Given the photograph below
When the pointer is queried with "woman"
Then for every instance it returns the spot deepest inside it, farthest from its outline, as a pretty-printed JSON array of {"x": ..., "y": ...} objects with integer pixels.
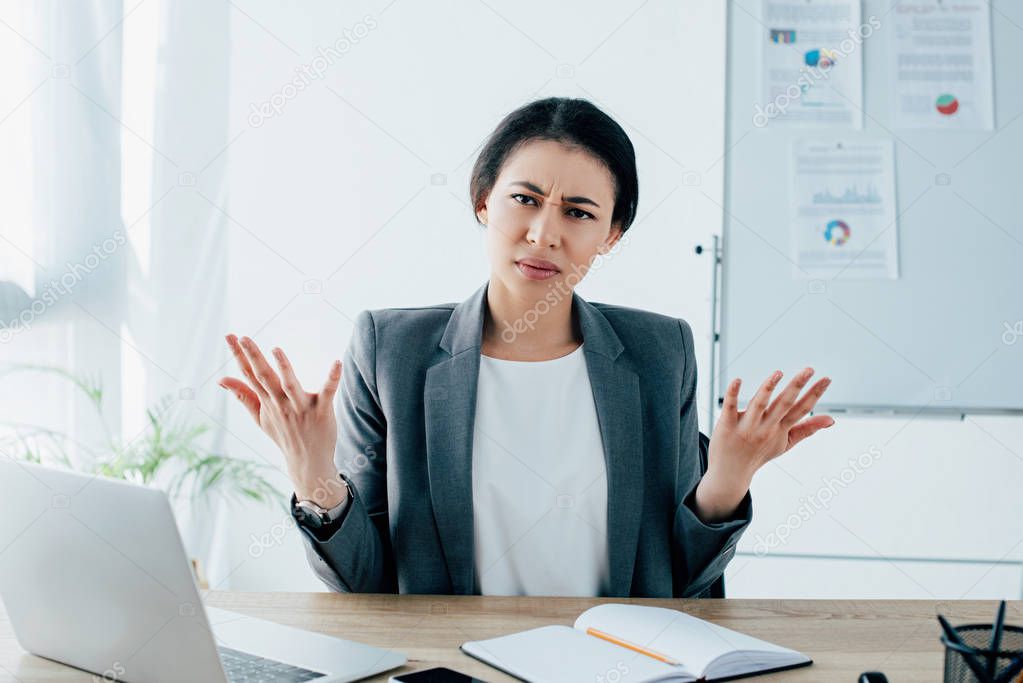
[{"x": 524, "y": 441}]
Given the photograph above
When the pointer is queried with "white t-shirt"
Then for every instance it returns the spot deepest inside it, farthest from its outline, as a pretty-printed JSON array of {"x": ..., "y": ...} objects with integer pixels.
[{"x": 539, "y": 482}]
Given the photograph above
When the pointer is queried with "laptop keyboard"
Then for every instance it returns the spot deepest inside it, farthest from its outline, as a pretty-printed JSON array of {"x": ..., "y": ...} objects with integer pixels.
[{"x": 243, "y": 667}]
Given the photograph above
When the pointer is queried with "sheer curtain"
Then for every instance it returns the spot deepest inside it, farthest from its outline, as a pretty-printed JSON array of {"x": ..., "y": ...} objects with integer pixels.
[
  {"x": 112, "y": 251},
  {"x": 188, "y": 261},
  {"x": 63, "y": 242}
]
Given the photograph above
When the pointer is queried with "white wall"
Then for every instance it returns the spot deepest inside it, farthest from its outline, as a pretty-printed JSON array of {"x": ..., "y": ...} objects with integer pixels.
[{"x": 333, "y": 211}]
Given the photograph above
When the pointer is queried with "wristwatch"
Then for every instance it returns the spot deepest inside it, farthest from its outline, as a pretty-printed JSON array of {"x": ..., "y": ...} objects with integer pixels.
[{"x": 314, "y": 516}]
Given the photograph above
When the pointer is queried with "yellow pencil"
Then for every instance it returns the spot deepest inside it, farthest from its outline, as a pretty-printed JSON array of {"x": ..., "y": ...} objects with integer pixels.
[{"x": 632, "y": 646}]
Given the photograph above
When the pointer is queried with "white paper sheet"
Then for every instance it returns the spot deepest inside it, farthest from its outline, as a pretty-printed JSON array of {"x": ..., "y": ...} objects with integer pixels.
[
  {"x": 941, "y": 64},
  {"x": 843, "y": 209},
  {"x": 811, "y": 64}
]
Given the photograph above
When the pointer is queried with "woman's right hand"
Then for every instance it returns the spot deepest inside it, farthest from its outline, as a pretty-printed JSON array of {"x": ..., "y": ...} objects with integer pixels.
[{"x": 301, "y": 424}]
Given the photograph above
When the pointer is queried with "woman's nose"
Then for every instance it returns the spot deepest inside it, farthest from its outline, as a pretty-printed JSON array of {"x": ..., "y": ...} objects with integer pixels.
[{"x": 544, "y": 229}]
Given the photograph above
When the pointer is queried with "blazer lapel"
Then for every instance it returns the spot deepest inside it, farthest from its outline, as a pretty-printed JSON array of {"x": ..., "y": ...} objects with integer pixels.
[
  {"x": 616, "y": 394},
  {"x": 449, "y": 402},
  {"x": 450, "y": 411}
]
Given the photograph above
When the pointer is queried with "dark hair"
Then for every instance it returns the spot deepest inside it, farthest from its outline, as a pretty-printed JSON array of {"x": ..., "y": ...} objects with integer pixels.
[{"x": 573, "y": 122}]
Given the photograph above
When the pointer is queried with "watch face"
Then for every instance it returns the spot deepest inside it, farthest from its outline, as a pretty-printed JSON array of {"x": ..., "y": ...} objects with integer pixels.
[{"x": 308, "y": 517}]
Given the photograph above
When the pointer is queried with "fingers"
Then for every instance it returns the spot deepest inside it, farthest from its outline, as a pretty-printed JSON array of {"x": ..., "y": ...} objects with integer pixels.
[
  {"x": 788, "y": 396},
  {"x": 246, "y": 367},
  {"x": 265, "y": 374},
  {"x": 245, "y": 394},
  {"x": 266, "y": 385},
  {"x": 730, "y": 404},
  {"x": 758, "y": 404},
  {"x": 292, "y": 387},
  {"x": 806, "y": 404},
  {"x": 807, "y": 427},
  {"x": 330, "y": 386}
]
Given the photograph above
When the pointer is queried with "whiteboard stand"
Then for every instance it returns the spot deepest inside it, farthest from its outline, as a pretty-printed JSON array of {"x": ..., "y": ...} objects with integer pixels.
[{"x": 714, "y": 334}]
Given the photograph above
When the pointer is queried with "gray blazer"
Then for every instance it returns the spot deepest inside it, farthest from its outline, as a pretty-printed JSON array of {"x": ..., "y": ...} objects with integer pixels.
[{"x": 405, "y": 413}]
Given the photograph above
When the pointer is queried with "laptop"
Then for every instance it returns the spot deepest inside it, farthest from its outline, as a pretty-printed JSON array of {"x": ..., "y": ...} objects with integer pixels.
[{"x": 93, "y": 574}]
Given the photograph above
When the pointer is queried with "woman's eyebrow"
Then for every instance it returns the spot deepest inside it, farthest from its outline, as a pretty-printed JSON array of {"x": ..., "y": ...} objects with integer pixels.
[{"x": 532, "y": 187}]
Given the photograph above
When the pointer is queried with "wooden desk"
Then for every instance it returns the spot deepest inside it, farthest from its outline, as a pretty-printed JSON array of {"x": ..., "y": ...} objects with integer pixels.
[{"x": 844, "y": 637}]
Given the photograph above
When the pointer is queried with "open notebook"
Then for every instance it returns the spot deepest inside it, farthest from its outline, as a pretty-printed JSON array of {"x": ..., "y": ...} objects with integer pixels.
[{"x": 559, "y": 654}]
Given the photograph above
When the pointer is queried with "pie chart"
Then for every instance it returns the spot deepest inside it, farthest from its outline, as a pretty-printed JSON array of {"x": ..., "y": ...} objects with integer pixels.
[
  {"x": 947, "y": 104},
  {"x": 837, "y": 232},
  {"x": 822, "y": 58}
]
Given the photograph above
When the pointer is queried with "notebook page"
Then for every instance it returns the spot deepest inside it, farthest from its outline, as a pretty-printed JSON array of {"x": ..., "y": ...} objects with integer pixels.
[
  {"x": 559, "y": 654},
  {"x": 694, "y": 642}
]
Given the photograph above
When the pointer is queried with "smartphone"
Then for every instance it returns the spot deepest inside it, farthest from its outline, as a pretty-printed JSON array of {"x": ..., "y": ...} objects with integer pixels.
[{"x": 438, "y": 675}]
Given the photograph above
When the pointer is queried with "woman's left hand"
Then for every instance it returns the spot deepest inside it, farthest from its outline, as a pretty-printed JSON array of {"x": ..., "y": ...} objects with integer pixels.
[{"x": 744, "y": 441}]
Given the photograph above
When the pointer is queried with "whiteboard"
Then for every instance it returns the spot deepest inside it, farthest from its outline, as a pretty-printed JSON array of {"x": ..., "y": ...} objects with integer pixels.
[{"x": 943, "y": 337}]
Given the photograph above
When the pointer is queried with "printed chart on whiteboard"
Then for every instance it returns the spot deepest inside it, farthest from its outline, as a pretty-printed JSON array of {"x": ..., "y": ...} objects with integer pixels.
[
  {"x": 812, "y": 66},
  {"x": 843, "y": 203},
  {"x": 941, "y": 76}
]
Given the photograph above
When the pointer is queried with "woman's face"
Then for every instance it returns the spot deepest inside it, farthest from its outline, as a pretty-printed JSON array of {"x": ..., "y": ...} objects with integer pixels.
[{"x": 549, "y": 202}]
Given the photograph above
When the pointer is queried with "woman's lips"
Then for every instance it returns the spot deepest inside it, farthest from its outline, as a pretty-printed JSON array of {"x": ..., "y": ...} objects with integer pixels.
[{"x": 534, "y": 273}]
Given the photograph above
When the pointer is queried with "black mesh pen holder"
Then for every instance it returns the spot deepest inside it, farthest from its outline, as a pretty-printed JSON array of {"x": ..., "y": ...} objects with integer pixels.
[{"x": 976, "y": 641}]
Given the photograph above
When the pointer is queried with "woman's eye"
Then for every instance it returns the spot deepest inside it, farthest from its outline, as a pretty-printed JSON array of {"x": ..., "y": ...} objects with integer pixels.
[
  {"x": 516, "y": 196},
  {"x": 524, "y": 199}
]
